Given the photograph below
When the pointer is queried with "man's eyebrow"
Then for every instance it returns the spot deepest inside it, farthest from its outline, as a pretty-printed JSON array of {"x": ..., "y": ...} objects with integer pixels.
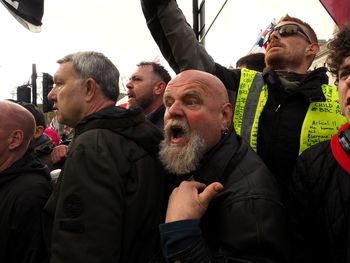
[{"x": 344, "y": 67}]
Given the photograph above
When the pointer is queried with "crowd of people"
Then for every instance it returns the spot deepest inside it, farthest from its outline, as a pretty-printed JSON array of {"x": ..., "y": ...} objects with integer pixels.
[{"x": 213, "y": 165}]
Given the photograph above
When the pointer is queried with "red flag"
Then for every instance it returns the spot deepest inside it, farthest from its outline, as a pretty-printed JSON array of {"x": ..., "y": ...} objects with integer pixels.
[
  {"x": 339, "y": 10},
  {"x": 123, "y": 102}
]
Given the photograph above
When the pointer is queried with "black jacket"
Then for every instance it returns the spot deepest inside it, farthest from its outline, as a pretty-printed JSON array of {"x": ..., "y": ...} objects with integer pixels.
[
  {"x": 157, "y": 117},
  {"x": 247, "y": 220},
  {"x": 281, "y": 120},
  {"x": 109, "y": 197},
  {"x": 24, "y": 190},
  {"x": 320, "y": 207}
]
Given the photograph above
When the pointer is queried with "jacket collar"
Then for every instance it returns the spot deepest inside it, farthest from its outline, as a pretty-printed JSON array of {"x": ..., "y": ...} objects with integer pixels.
[
  {"x": 129, "y": 123},
  {"x": 126, "y": 118},
  {"x": 309, "y": 86},
  {"x": 215, "y": 162}
]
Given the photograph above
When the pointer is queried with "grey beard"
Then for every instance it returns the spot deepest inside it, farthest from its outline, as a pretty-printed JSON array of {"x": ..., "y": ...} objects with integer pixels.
[{"x": 182, "y": 159}]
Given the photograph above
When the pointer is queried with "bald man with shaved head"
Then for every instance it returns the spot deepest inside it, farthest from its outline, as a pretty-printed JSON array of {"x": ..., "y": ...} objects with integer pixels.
[
  {"x": 24, "y": 188},
  {"x": 225, "y": 206}
]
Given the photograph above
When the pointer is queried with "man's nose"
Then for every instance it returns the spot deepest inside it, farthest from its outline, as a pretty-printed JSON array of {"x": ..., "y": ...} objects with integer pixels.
[
  {"x": 52, "y": 94},
  {"x": 176, "y": 109}
]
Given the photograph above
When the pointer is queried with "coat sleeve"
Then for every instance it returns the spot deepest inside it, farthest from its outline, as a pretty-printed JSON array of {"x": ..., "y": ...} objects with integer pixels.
[
  {"x": 175, "y": 37},
  {"x": 255, "y": 232},
  {"x": 88, "y": 222},
  {"x": 179, "y": 45}
]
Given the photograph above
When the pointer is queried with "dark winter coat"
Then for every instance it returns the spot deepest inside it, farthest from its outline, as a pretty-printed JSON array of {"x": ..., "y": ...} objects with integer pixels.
[
  {"x": 320, "y": 207},
  {"x": 247, "y": 220},
  {"x": 24, "y": 190},
  {"x": 109, "y": 197}
]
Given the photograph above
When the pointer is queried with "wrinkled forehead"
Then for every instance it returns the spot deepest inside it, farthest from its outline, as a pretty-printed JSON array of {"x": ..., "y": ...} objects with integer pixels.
[
  {"x": 187, "y": 86},
  {"x": 64, "y": 70}
]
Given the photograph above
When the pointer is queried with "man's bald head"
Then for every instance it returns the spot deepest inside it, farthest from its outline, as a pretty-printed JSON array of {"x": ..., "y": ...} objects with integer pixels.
[
  {"x": 197, "y": 115},
  {"x": 15, "y": 117}
]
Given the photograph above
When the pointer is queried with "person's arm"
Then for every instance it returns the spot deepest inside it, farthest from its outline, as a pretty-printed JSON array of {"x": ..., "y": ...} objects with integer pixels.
[
  {"x": 175, "y": 37},
  {"x": 250, "y": 228},
  {"x": 88, "y": 223},
  {"x": 181, "y": 235},
  {"x": 179, "y": 45}
]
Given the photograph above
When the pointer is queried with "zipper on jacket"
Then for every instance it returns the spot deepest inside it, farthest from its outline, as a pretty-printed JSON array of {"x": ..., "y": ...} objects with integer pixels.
[{"x": 278, "y": 108}]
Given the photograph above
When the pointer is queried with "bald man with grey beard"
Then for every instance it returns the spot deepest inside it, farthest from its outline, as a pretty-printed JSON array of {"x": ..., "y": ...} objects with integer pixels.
[
  {"x": 227, "y": 206},
  {"x": 24, "y": 188}
]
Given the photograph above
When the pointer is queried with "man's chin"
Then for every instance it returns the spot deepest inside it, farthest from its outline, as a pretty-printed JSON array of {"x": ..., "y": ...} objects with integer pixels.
[
  {"x": 131, "y": 103},
  {"x": 182, "y": 158}
]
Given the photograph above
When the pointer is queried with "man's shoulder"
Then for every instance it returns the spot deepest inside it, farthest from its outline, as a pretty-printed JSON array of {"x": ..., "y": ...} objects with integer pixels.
[
  {"x": 98, "y": 136},
  {"x": 318, "y": 152},
  {"x": 27, "y": 188},
  {"x": 245, "y": 171}
]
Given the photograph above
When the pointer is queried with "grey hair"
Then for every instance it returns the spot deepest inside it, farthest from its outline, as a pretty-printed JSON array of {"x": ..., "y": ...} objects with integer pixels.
[{"x": 91, "y": 64}]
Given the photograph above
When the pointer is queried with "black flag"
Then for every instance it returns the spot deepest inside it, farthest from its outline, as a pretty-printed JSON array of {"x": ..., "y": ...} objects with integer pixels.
[{"x": 28, "y": 12}]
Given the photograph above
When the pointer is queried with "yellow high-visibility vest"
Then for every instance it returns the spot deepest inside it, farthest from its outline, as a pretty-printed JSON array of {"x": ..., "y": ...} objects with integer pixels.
[{"x": 322, "y": 119}]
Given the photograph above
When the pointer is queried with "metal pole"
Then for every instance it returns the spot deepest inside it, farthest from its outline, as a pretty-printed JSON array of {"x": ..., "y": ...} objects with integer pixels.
[
  {"x": 34, "y": 76},
  {"x": 202, "y": 22},
  {"x": 195, "y": 18},
  {"x": 222, "y": 7}
]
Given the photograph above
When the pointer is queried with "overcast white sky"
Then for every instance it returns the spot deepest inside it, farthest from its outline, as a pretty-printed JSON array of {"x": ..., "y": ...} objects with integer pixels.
[{"x": 117, "y": 28}]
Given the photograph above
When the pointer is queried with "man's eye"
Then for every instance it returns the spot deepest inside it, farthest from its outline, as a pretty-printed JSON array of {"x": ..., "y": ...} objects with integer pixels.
[
  {"x": 191, "y": 102},
  {"x": 168, "y": 103},
  {"x": 344, "y": 74}
]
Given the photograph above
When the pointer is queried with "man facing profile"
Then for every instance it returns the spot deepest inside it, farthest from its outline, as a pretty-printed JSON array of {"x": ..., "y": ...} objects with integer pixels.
[
  {"x": 109, "y": 196},
  {"x": 146, "y": 88}
]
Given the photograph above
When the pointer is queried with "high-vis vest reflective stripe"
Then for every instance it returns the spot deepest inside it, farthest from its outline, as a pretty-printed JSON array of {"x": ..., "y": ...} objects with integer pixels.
[{"x": 322, "y": 119}]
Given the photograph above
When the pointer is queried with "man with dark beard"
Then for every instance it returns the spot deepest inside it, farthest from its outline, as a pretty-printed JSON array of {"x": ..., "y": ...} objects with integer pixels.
[
  {"x": 146, "y": 88},
  {"x": 246, "y": 220}
]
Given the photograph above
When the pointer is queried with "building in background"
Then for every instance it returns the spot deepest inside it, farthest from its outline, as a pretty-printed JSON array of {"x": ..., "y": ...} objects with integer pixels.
[{"x": 321, "y": 57}]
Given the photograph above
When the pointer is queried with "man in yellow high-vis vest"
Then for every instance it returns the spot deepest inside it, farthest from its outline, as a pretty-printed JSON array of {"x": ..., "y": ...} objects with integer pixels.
[{"x": 280, "y": 112}]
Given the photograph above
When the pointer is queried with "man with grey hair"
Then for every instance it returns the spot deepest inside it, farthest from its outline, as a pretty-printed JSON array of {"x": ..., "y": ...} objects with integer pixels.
[
  {"x": 108, "y": 200},
  {"x": 24, "y": 188}
]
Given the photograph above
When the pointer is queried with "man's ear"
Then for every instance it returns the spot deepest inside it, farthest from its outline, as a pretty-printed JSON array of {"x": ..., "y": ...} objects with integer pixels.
[
  {"x": 90, "y": 89},
  {"x": 313, "y": 48},
  {"x": 15, "y": 139},
  {"x": 227, "y": 115},
  {"x": 39, "y": 130},
  {"x": 160, "y": 88}
]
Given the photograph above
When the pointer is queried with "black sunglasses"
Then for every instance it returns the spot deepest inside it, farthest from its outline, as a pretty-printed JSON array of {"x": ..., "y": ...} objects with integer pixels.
[{"x": 287, "y": 30}]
